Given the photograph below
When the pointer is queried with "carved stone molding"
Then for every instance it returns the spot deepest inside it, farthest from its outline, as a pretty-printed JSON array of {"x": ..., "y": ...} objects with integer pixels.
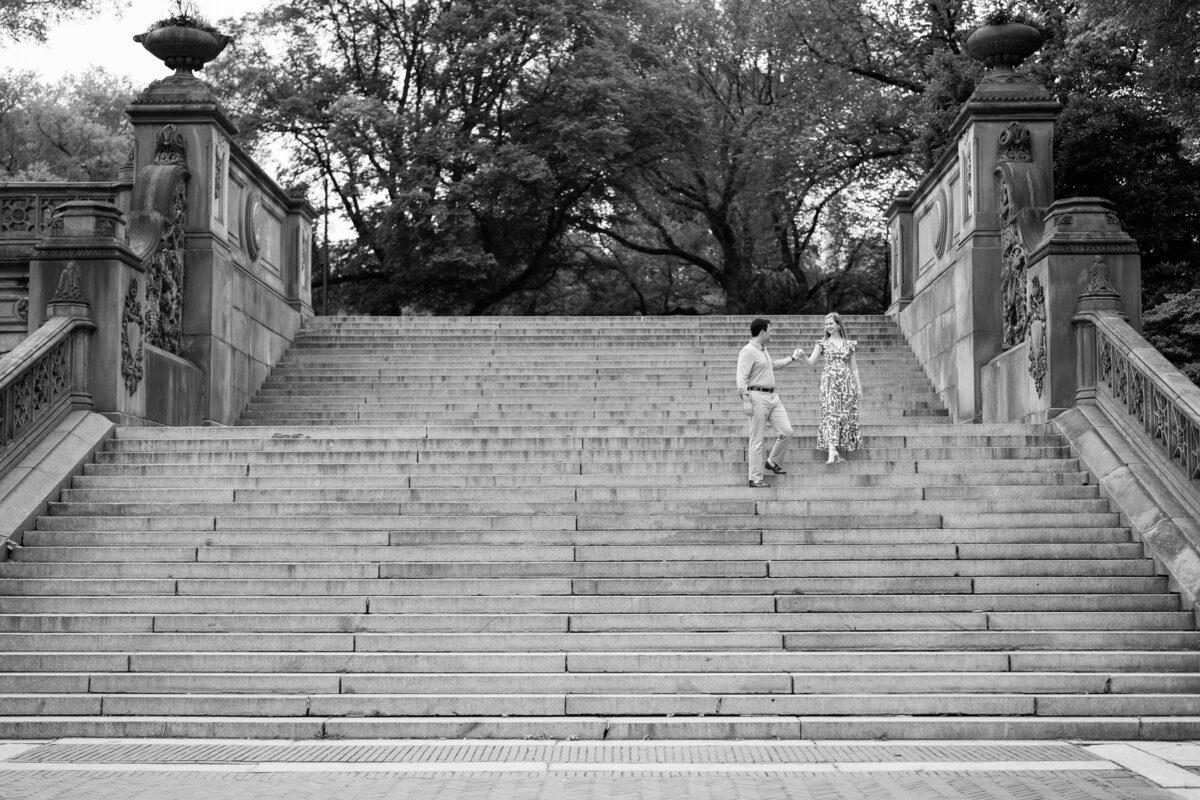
[
  {"x": 170, "y": 148},
  {"x": 131, "y": 362},
  {"x": 1037, "y": 333}
]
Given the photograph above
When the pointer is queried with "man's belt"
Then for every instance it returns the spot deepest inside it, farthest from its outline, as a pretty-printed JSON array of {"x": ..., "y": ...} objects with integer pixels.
[{"x": 768, "y": 389}]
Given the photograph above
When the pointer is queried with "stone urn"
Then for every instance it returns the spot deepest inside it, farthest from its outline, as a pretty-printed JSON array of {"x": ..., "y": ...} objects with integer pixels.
[
  {"x": 1005, "y": 45},
  {"x": 183, "y": 48}
]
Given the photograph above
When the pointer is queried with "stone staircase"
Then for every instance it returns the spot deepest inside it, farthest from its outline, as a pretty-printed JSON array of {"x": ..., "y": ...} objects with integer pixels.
[{"x": 537, "y": 527}]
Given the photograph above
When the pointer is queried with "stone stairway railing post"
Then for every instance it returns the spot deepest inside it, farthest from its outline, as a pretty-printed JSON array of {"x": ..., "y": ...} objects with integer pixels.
[
  {"x": 1082, "y": 261},
  {"x": 84, "y": 261},
  {"x": 958, "y": 240},
  {"x": 232, "y": 275}
]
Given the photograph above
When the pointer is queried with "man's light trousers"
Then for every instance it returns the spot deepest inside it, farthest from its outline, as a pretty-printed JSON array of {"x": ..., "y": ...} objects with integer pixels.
[{"x": 768, "y": 413}]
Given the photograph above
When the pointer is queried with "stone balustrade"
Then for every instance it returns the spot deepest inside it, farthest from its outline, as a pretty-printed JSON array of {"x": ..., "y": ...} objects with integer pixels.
[{"x": 42, "y": 380}]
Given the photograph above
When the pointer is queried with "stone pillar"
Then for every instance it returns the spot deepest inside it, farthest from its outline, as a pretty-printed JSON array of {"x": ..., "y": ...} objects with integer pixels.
[
  {"x": 903, "y": 255},
  {"x": 181, "y": 137},
  {"x": 84, "y": 263},
  {"x": 960, "y": 240},
  {"x": 1084, "y": 253}
]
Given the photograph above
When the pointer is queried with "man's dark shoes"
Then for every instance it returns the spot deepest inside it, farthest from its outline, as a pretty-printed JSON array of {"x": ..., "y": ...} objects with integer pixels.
[
  {"x": 776, "y": 469},
  {"x": 759, "y": 484}
]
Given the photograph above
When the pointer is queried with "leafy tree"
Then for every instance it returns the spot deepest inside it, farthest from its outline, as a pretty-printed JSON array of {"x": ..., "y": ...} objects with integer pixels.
[
  {"x": 74, "y": 129},
  {"x": 32, "y": 19},
  {"x": 460, "y": 137}
]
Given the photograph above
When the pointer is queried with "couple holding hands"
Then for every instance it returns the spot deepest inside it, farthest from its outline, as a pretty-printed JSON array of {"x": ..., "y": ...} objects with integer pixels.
[{"x": 840, "y": 391}]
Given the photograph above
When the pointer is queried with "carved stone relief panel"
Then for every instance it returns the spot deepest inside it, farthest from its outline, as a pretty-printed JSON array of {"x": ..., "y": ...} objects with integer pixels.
[
  {"x": 131, "y": 361},
  {"x": 1037, "y": 333}
]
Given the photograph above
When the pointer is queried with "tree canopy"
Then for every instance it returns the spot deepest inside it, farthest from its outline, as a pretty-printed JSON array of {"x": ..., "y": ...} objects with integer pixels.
[
  {"x": 73, "y": 129},
  {"x": 665, "y": 156},
  {"x": 32, "y": 19}
]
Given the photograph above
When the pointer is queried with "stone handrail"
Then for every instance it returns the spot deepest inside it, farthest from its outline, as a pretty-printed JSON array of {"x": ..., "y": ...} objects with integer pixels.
[
  {"x": 41, "y": 381},
  {"x": 1155, "y": 404}
]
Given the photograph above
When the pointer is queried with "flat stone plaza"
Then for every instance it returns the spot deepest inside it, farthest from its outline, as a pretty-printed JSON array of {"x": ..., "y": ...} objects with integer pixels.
[{"x": 132, "y": 769}]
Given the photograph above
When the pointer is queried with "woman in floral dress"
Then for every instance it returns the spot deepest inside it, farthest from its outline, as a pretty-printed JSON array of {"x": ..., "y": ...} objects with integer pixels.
[{"x": 841, "y": 389}]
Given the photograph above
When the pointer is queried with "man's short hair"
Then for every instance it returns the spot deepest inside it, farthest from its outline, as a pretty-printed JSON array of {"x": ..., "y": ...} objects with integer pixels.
[{"x": 758, "y": 326}]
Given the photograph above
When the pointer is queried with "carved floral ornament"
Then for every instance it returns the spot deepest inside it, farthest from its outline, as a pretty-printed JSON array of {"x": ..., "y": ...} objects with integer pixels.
[
  {"x": 1037, "y": 334},
  {"x": 1016, "y": 143},
  {"x": 170, "y": 148},
  {"x": 131, "y": 362}
]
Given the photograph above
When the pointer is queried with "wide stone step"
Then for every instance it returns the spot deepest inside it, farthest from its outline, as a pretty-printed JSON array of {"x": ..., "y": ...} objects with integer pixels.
[
  {"x": 614, "y": 728},
  {"x": 369, "y": 480},
  {"x": 883, "y": 536},
  {"x": 482, "y": 586},
  {"x": 582, "y": 553},
  {"x": 576, "y": 436},
  {"x": 587, "y": 604},
  {"x": 550, "y": 704},
  {"x": 591, "y": 623},
  {"x": 603, "y": 683}
]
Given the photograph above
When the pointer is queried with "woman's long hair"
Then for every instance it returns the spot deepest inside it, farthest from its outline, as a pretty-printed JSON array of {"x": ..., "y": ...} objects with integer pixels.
[{"x": 837, "y": 318}]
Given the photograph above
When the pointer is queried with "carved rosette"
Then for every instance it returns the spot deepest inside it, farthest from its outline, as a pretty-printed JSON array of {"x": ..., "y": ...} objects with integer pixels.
[
  {"x": 1037, "y": 333},
  {"x": 18, "y": 215}
]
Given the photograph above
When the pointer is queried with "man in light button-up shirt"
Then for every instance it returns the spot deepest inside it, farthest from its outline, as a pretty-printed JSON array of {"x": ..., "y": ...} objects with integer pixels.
[{"x": 756, "y": 385}]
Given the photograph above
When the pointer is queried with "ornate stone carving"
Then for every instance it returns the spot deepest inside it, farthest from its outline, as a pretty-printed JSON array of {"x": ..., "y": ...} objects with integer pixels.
[
  {"x": 170, "y": 148},
  {"x": 131, "y": 362},
  {"x": 43, "y": 383},
  {"x": 165, "y": 278},
  {"x": 22, "y": 309},
  {"x": 1016, "y": 143},
  {"x": 220, "y": 155},
  {"x": 1098, "y": 280},
  {"x": 1037, "y": 333},
  {"x": 1112, "y": 219},
  {"x": 1064, "y": 220},
  {"x": 105, "y": 228},
  {"x": 18, "y": 215},
  {"x": 1012, "y": 284},
  {"x": 68, "y": 290}
]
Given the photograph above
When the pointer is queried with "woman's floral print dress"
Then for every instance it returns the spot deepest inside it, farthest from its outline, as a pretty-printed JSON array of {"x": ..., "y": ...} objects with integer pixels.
[{"x": 839, "y": 398}]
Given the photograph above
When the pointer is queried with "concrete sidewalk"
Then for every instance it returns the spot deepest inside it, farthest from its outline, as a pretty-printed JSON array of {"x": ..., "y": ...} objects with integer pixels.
[{"x": 154, "y": 769}]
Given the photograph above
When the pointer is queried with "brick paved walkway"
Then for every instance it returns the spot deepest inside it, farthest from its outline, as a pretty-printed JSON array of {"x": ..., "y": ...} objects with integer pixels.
[{"x": 80, "y": 769}]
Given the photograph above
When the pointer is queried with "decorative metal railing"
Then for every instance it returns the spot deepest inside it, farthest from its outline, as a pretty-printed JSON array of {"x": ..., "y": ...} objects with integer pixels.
[
  {"x": 41, "y": 381},
  {"x": 1156, "y": 398}
]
